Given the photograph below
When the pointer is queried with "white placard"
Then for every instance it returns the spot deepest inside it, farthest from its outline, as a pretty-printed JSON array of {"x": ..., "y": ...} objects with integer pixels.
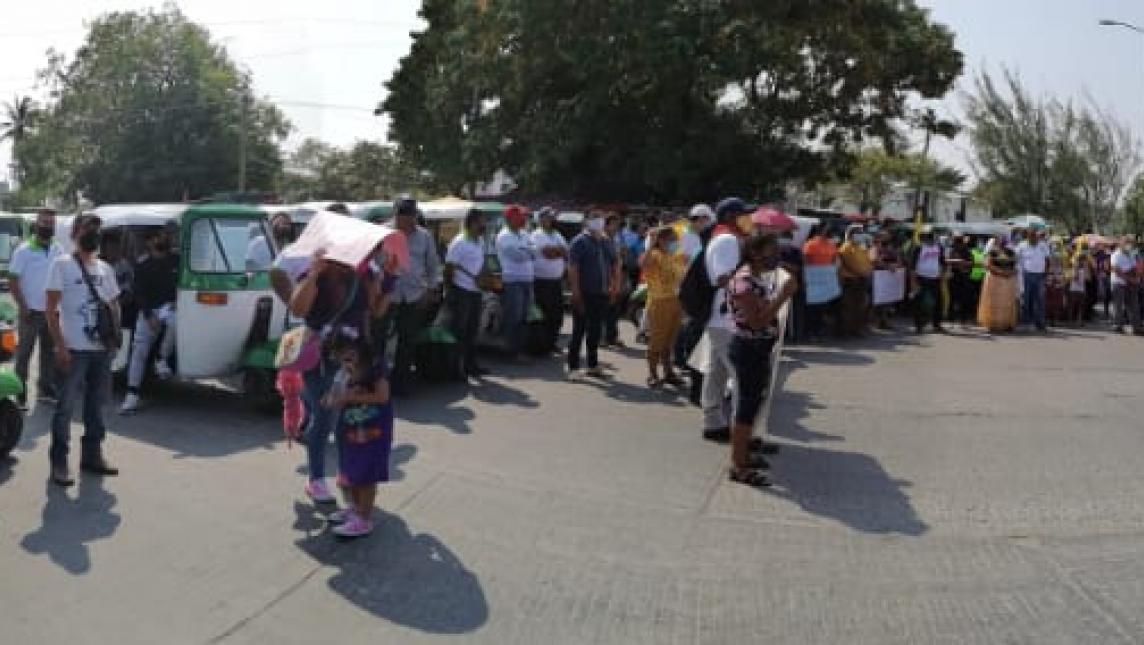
[
  {"x": 889, "y": 286},
  {"x": 344, "y": 239}
]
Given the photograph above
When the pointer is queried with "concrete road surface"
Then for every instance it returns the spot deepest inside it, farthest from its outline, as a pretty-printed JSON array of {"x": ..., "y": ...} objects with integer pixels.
[{"x": 935, "y": 489}]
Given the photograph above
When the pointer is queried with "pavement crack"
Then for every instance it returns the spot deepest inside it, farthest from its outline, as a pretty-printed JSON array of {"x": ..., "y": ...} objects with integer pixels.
[{"x": 285, "y": 593}]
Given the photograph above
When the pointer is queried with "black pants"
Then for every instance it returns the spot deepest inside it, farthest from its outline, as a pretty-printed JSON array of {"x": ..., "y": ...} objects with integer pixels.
[
  {"x": 688, "y": 338},
  {"x": 752, "y": 360},
  {"x": 550, "y": 299},
  {"x": 408, "y": 320},
  {"x": 929, "y": 297},
  {"x": 612, "y": 314},
  {"x": 588, "y": 323},
  {"x": 465, "y": 320},
  {"x": 964, "y": 307}
]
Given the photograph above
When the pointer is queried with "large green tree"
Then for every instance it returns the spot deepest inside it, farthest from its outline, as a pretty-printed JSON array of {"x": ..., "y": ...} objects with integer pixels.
[
  {"x": 661, "y": 99},
  {"x": 19, "y": 119},
  {"x": 149, "y": 108},
  {"x": 1043, "y": 155},
  {"x": 366, "y": 171}
]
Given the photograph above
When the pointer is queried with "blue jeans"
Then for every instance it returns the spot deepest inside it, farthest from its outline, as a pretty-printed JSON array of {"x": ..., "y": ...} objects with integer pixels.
[
  {"x": 322, "y": 419},
  {"x": 515, "y": 303},
  {"x": 89, "y": 377},
  {"x": 1033, "y": 305}
]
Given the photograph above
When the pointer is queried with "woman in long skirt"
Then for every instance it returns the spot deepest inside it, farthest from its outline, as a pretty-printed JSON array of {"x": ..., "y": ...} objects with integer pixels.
[{"x": 998, "y": 308}]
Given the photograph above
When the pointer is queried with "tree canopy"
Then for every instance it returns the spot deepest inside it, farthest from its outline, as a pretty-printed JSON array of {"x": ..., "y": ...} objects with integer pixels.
[
  {"x": 661, "y": 100},
  {"x": 366, "y": 171},
  {"x": 1042, "y": 155},
  {"x": 149, "y": 108}
]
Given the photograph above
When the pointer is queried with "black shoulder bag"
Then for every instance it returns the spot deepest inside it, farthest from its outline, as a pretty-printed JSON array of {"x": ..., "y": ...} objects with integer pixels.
[{"x": 106, "y": 330}]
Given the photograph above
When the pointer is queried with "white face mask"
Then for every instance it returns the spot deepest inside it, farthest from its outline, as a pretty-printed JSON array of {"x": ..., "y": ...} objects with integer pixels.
[{"x": 595, "y": 225}]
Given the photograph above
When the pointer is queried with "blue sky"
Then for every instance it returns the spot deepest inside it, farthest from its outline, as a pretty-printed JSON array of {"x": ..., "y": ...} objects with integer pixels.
[{"x": 325, "y": 62}]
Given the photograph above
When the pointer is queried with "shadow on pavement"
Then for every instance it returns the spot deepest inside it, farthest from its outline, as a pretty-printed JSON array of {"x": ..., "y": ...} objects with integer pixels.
[
  {"x": 68, "y": 524},
  {"x": 848, "y": 487},
  {"x": 401, "y": 455},
  {"x": 411, "y": 580},
  {"x": 438, "y": 406}
]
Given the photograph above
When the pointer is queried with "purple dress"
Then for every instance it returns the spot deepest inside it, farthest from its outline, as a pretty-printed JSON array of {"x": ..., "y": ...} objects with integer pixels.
[{"x": 366, "y": 433}]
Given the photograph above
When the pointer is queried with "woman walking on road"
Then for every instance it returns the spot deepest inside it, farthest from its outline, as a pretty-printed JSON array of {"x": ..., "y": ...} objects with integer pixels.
[
  {"x": 757, "y": 293},
  {"x": 855, "y": 271},
  {"x": 998, "y": 309},
  {"x": 663, "y": 268}
]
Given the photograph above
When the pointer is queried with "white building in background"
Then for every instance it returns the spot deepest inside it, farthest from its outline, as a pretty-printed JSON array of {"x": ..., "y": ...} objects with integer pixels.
[
  {"x": 500, "y": 184},
  {"x": 899, "y": 205}
]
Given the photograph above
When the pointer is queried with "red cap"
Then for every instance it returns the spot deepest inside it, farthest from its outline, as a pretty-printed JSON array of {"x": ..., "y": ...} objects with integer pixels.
[{"x": 516, "y": 214}]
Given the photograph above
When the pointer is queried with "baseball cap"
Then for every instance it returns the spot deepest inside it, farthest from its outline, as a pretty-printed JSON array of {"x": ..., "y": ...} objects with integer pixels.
[
  {"x": 701, "y": 210},
  {"x": 405, "y": 205},
  {"x": 731, "y": 207}
]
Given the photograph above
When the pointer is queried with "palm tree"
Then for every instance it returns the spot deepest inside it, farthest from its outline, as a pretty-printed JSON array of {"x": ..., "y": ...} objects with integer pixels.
[{"x": 19, "y": 116}]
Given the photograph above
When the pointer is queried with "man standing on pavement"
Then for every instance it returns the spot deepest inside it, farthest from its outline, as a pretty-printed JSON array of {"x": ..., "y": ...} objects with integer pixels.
[
  {"x": 594, "y": 272},
  {"x": 723, "y": 256},
  {"x": 552, "y": 252},
  {"x": 1125, "y": 293},
  {"x": 463, "y": 264},
  {"x": 79, "y": 287},
  {"x": 1033, "y": 258},
  {"x": 416, "y": 292},
  {"x": 28, "y": 280},
  {"x": 515, "y": 253},
  {"x": 927, "y": 264}
]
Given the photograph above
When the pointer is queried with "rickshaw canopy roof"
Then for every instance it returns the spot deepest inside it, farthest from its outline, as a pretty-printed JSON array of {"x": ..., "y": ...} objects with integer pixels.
[
  {"x": 451, "y": 208},
  {"x": 226, "y": 211},
  {"x": 117, "y": 215}
]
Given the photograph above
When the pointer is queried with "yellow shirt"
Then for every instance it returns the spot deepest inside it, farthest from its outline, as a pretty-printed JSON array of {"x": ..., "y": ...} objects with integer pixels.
[
  {"x": 662, "y": 273},
  {"x": 855, "y": 261}
]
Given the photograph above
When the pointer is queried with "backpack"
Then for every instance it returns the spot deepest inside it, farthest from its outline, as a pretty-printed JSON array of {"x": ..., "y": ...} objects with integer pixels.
[{"x": 696, "y": 293}]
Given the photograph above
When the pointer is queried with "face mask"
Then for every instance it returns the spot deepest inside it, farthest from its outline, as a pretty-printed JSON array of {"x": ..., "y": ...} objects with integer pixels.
[
  {"x": 45, "y": 233},
  {"x": 595, "y": 225},
  {"x": 89, "y": 241},
  {"x": 673, "y": 247}
]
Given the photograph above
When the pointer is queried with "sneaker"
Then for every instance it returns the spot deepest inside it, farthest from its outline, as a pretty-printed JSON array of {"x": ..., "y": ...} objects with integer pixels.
[
  {"x": 595, "y": 372},
  {"x": 340, "y": 516},
  {"x": 317, "y": 491},
  {"x": 163, "y": 371},
  {"x": 573, "y": 374},
  {"x": 131, "y": 404},
  {"x": 354, "y": 527}
]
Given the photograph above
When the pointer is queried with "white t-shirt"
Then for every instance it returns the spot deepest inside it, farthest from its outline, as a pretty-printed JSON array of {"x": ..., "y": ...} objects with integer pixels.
[
  {"x": 78, "y": 311},
  {"x": 258, "y": 254},
  {"x": 691, "y": 245},
  {"x": 32, "y": 264},
  {"x": 1124, "y": 262},
  {"x": 468, "y": 255},
  {"x": 545, "y": 268},
  {"x": 929, "y": 261},
  {"x": 514, "y": 250},
  {"x": 1033, "y": 258},
  {"x": 722, "y": 258}
]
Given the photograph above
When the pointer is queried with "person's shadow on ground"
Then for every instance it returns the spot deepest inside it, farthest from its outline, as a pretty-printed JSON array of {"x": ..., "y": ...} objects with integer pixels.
[
  {"x": 849, "y": 487},
  {"x": 69, "y": 524},
  {"x": 411, "y": 580}
]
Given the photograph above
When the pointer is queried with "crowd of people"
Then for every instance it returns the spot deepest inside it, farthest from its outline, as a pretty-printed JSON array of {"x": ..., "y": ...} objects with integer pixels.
[{"x": 720, "y": 287}]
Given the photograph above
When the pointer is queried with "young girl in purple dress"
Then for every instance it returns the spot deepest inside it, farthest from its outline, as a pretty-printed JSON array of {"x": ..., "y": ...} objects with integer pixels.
[{"x": 365, "y": 432}]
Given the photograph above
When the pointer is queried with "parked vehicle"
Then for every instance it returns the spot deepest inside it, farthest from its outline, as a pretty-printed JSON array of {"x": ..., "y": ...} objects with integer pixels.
[
  {"x": 229, "y": 319},
  {"x": 11, "y": 387}
]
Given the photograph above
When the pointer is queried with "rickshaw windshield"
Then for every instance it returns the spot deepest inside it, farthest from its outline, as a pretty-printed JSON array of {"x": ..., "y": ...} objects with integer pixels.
[
  {"x": 10, "y": 237},
  {"x": 230, "y": 246}
]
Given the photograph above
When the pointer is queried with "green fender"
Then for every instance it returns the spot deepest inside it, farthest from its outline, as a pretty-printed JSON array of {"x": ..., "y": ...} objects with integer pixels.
[
  {"x": 261, "y": 356},
  {"x": 10, "y": 384},
  {"x": 7, "y": 310}
]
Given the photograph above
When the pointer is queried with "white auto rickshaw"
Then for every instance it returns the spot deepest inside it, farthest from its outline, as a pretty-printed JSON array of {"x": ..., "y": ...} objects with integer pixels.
[{"x": 229, "y": 319}]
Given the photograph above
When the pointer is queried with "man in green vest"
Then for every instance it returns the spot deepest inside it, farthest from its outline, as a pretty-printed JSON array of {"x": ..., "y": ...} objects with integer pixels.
[{"x": 977, "y": 275}]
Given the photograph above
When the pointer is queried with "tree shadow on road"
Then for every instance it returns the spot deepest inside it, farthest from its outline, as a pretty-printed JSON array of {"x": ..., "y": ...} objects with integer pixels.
[
  {"x": 68, "y": 524},
  {"x": 438, "y": 407},
  {"x": 848, "y": 487},
  {"x": 411, "y": 580}
]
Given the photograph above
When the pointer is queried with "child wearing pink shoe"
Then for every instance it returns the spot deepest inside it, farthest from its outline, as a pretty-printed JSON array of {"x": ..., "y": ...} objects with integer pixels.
[{"x": 365, "y": 428}]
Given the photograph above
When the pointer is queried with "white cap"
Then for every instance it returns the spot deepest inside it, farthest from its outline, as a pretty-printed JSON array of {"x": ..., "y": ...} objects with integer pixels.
[{"x": 701, "y": 210}]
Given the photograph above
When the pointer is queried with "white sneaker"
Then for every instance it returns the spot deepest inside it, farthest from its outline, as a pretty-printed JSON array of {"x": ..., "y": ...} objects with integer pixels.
[
  {"x": 131, "y": 404},
  {"x": 163, "y": 371}
]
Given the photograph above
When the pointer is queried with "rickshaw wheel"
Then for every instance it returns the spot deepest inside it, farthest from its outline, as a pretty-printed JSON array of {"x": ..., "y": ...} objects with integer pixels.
[
  {"x": 258, "y": 386},
  {"x": 11, "y": 426}
]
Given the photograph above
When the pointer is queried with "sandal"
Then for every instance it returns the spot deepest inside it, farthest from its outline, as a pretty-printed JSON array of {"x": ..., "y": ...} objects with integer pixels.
[
  {"x": 765, "y": 447},
  {"x": 749, "y": 476}
]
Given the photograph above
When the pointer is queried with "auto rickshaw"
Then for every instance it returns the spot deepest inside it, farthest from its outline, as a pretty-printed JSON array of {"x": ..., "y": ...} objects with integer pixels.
[
  {"x": 11, "y": 387},
  {"x": 14, "y": 229},
  {"x": 229, "y": 319}
]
